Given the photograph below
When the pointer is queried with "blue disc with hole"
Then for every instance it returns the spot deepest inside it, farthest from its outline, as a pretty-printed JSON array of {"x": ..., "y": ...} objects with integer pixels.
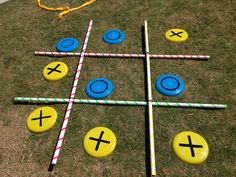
[
  {"x": 170, "y": 85},
  {"x": 113, "y": 36},
  {"x": 99, "y": 88},
  {"x": 67, "y": 45}
]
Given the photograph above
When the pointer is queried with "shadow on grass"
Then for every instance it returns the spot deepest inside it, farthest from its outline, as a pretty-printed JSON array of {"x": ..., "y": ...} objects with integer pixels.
[{"x": 147, "y": 144}]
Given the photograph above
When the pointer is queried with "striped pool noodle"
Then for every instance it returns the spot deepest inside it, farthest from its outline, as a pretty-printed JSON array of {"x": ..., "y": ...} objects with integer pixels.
[
  {"x": 150, "y": 112},
  {"x": 118, "y": 55},
  {"x": 120, "y": 102},
  {"x": 70, "y": 103}
]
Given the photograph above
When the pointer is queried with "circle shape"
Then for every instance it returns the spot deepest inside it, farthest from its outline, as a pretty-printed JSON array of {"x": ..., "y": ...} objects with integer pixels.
[
  {"x": 55, "y": 71},
  {"x": 170, "y": 85},
  {"x": 99, "y": 88},
  {"x": 190, "y": 147},
  {"x": 99, "y": 142},
  {"x": 41, "y": 119},
  {"x": 176, "y": 35},
  {"x": 67, "y": 44},
  {"x": 113, "y": 36}
]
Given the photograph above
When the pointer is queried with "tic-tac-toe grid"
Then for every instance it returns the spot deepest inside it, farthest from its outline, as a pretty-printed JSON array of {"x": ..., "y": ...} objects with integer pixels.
[{"x": 148, "y": 103}]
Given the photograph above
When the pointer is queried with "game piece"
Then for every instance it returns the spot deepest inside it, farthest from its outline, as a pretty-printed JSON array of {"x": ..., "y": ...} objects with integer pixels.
[
  {"x": 170, "y": 85},
  {"x": 67, "y": 45},
  {"x": 99, "y": 142},
  {"x": 113, "y": 36},
  {"x": 99, "y": 88},
  {"x": 190, "y": 147},
  {"x": 55, "y": 71},
  {"x": 176, "y": 35},
  {"x": 42, "y": 119}
]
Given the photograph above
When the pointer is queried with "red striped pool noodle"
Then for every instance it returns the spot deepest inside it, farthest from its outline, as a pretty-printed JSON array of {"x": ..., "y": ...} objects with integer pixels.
[
  {"x": 71, "y": 101},
  {"x": 119, "y": 55}
]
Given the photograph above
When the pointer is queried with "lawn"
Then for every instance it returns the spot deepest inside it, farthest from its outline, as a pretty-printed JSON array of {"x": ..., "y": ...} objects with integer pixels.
[{"x": 25, "y": 28}]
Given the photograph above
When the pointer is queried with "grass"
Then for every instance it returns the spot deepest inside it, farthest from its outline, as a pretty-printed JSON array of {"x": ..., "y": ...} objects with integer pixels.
[{"x": 24, "y": 28}]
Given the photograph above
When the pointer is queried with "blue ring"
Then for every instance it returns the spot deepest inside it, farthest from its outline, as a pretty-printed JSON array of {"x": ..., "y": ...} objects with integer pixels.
[
  {"x": 99, "y": 88},
  {"x": 170, "y": 85},
  {"x": 113, "y": 36},
  {"x": 67, "y": 45}
]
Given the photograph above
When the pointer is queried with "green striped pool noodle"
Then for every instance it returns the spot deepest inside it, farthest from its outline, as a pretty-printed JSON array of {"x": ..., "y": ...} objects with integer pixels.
[{"x": 120, "y": 102}]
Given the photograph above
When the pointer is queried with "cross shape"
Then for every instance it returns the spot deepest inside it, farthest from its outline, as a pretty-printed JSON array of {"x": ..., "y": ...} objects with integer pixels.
[
  {"x": 176, "y": 34},
  {"x": 191, "y": 146},
  {"x": 54, "y": 69},
  {"x": 41, "y": 117},
  {"x": 99, "y": 140}
]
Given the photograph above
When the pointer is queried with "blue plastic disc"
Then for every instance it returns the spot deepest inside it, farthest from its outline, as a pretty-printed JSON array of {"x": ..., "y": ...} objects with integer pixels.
[
  {"x": 113, "y": 36},
  {"x": 67, "y": 45},
  {"x": 170, "y": 85},
  {"x": 99, "y": 88}
]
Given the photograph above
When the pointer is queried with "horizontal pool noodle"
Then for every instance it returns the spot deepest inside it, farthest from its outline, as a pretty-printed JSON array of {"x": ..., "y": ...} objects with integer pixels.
[
  {"x": 115, "y": 102},
  {"x": 71, "y": 54}
]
